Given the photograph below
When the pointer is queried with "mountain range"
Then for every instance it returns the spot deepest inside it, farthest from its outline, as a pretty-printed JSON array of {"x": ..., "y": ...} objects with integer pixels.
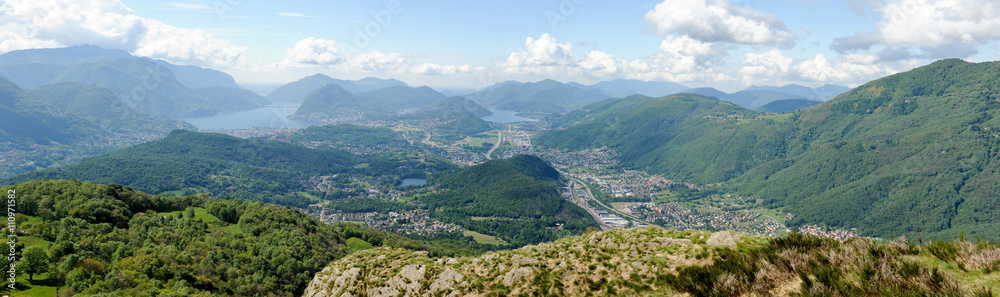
[
  {"x": 912, "y": 153},
  {"x": 332, "y": 99},
  {"x": 153, "y": 86},
  {"x": 296, "y": 92}
]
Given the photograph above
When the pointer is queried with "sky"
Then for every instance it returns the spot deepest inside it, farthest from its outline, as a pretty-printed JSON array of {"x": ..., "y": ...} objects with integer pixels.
[{"x": 727, "y": 44}]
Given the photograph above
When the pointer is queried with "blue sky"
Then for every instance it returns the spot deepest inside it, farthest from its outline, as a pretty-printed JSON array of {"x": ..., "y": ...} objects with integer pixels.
[{"x": 728, "y": 44}]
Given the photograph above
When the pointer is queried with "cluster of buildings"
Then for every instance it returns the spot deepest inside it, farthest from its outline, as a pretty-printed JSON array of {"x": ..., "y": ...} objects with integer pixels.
[
  {"x": 598, "y": 159},
  {"x": 612, "y": 220},
  {"x": 415, "y": 221},
  {"x": 677, "y": 215},
  {"x": 822, "y": 232},
  {"x": 254, "y": 133}
]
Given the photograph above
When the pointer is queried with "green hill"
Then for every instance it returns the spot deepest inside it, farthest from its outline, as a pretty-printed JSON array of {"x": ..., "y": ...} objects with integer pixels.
[
  {"x": 296, "y": 92},
  {"x": 912, "y": 153},
  {"x": 190, "y": 162},
  {"x": 110, "y": 240},
  {"x": 684, "y": 136},
  {"x": 547, "y": 96},
  {"x": 100, "y": 106},
  {"x": 519, "y": 197},
  {"x": 333, "y": 100},
  {"x": 28, "y": 120},
  {"x": 787, "y": 105}
]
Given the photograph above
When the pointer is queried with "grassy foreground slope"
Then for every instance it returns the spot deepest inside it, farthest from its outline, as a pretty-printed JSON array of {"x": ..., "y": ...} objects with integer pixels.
[{"x": 658, "y": 262}]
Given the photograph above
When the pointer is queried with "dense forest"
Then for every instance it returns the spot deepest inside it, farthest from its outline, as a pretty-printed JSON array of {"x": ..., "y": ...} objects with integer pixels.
[
  {"x": 913, "y": 153},
  {"x": 109, "y": 239},
  {"x": 263, "y": 170},
  {"x": 516, "y": 199}
]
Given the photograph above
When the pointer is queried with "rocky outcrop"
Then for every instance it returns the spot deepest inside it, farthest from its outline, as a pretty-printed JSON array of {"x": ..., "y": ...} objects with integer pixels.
[{"x": 599, "y": 263}]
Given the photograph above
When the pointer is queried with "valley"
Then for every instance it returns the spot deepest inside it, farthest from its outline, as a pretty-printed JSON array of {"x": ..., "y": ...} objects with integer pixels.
[{"x": 452, "y": 177}]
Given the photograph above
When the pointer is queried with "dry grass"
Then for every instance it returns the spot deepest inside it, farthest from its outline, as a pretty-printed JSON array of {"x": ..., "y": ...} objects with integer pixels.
[{"x": 983, "y": 257}]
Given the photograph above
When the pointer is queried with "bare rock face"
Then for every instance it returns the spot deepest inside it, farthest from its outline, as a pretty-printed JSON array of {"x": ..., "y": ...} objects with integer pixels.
[{"x": 724, "y": 238}]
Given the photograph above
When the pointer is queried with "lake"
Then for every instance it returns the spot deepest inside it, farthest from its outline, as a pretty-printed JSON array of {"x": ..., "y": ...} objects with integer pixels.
[
  {"x": 271, "y": 116},
  {"x": 413, "y": 182},
  {"x": 506, "y": 116}
]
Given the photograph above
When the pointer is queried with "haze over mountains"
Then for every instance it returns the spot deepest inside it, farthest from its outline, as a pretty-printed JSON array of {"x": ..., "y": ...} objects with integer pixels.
[{"x": 156, "y": 87}]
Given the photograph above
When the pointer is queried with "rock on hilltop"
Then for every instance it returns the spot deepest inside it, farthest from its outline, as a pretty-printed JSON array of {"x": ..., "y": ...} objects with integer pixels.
[{"x": 657, "y": 262}]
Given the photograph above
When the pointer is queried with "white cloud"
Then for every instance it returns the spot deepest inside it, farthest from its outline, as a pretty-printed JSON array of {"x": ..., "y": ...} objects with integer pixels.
[
  {"x": 679, "y": 59},
  {"x": 188, "y": 46},
  {"x": 718, "y": 21},
  {"x": 327, "y": 55},
  {"x": 766, "y": 67},
  {"x": 314, "y": 51},
  {"x": 30, "y": 24},
  {"x": 942, "y": 28},
  {"x": 544, "y": 56},
  {"x": 103, "y": 23},
  {"x": 773, "y": 67}
]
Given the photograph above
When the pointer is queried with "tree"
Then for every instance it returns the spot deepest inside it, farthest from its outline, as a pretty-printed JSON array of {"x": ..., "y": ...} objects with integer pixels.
[{"x": 34, "y": 261}]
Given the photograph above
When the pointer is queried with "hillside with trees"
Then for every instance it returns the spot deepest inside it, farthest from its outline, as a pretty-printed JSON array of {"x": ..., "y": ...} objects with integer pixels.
[
  {"x": 518, "y": 198},
  {"x": 912, "y": 153},
  {"x": 263, "y": 170},
  {"x": 111, "y": 240}
]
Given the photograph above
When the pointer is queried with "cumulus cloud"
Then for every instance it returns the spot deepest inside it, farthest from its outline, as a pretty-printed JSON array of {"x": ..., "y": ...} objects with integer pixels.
[
  {"x": 945, "y": 28},
  {"x": 321, "y": 54},
  {"x": 773, "y": 67},
  {"x": 314, "y": 51},
  {"x": 187, "y": 46},
  {"x": 30, "y": 24},
  {"x": 544, "y": 56},
  {"x": 761, "y": 67},
  {"x": 718, "y": 21},
  {"x": 679, "y": 59},
  {"x": 684, "y": 59}
]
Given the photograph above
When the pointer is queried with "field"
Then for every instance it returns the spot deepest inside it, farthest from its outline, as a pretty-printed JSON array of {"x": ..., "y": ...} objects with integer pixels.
[
  {"x": 483, "y": 238},
  {"x": 358, "y": 244},
  {"x": 199, "y": 213}
]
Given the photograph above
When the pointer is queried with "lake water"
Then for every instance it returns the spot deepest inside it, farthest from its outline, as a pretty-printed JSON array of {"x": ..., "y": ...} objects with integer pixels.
[
  {"x": 272, "y": 116},
  {"x": 506, "y": 116},
  {"x": 413, "y": 181}
]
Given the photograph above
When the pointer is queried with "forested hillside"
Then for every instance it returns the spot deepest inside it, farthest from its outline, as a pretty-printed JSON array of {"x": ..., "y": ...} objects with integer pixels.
[
  {"x": 113, "y": 240},
  {"x": 913, "y": 153},
  {"x": 685, "y": 136},
  {"x": 28, "y": 121},
  {"x": 189, "y": 162},
  {"x": 517, "y": 200}
]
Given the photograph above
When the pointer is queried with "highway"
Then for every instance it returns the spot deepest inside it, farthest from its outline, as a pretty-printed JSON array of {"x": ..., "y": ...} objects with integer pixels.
[{"x": 610, "y": 209}]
